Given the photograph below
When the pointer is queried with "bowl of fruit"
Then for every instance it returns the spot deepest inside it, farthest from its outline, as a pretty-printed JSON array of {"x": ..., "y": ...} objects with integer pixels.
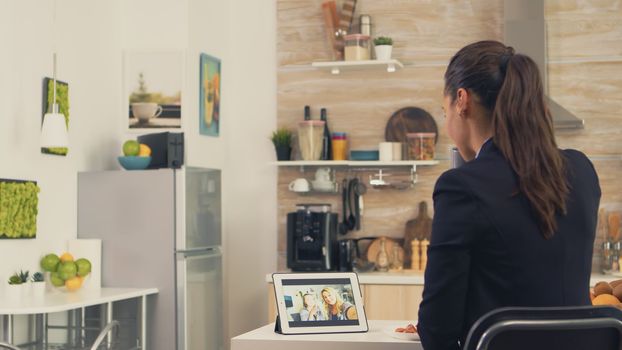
[
  {"x": 65, "y": 273},
  {"x": 136, "y": 156}
]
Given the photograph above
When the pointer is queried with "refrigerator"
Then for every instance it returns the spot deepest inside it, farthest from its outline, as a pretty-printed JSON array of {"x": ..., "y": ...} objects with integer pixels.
[{"x": 161, "y": 228}]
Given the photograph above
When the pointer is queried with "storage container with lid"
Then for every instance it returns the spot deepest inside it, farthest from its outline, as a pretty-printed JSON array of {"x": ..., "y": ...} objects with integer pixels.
[
  {"x": 340, "y": 146},
  {"x": 421, "y": 145},
  {"x": 310, "y": 133},
  {"x": 356, "y": 47}
]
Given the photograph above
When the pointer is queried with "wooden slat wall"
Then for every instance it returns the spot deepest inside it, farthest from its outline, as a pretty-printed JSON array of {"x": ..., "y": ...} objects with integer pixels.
[{"x": 585, "y": 76}]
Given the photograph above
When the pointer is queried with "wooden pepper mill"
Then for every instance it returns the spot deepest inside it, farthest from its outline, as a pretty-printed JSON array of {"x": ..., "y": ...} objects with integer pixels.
[{"x": 418, "y": 228}]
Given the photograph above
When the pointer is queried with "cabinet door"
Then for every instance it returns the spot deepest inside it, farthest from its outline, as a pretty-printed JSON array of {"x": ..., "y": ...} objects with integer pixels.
[{"x": 392, "y": 302}]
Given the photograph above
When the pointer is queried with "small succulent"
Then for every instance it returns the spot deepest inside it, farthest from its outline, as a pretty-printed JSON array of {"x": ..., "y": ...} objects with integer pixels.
[
  {"x": 37, "y": 277},
  {"x": 23, "y": 275},
  {"x": 383, "y": 40},
  {"x": 282, "y": 137},
  {"x": 15, "y": 279}
]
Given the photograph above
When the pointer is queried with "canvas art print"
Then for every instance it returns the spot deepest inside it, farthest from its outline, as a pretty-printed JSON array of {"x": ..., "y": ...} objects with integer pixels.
[
  {"x": 209, "y": 95},
  {"x": 154, "y": 83},
  {"x": 62, "y": 98}
]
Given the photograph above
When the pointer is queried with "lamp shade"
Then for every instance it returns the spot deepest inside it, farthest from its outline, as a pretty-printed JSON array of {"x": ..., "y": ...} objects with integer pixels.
[{"x": 54, "y": 131}]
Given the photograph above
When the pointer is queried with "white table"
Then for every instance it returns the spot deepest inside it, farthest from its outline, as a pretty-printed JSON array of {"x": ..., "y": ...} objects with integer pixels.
[
  {"x": 265, "y": 338},
  {"x": 60, "y": 301}
]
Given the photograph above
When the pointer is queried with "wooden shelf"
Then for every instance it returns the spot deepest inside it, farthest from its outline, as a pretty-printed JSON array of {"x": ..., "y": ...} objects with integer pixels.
[{"x": 336, "y": 67}]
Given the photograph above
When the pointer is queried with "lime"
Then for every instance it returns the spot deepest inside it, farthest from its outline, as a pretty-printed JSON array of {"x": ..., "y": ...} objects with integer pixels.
[
  {"x": 49, "y": 262},
  {"x": 84, "y": 267},
  {"x": 67, "y": 270},
  {"x": 56, "y": 281},
  {"x": 131, "y": 148}
]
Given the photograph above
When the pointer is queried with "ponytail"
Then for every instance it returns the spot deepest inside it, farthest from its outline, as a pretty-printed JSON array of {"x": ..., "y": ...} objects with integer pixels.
[
  {"x": 510, "y": 88},
  {"x": 523, "y": 131}
]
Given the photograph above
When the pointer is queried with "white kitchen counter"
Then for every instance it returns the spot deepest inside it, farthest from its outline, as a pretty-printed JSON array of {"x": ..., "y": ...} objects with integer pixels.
[
  {"x": 410, "y": 278},
  {"x": 376, "y": 338}
]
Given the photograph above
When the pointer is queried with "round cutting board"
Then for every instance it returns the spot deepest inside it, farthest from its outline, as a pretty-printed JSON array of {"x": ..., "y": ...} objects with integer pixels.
[
  {"x": 408, "y": 120},
  {"x": 374, "y": 249}
]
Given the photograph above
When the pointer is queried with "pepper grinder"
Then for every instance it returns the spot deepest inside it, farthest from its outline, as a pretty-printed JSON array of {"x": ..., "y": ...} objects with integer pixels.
[
  {"x": 424, "y": 254},
  {"x": 415, "y": 256}
]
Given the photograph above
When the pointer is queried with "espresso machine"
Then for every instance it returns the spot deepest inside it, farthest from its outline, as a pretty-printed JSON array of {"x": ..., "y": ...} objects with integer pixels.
[{"x": 312, "y": 238}]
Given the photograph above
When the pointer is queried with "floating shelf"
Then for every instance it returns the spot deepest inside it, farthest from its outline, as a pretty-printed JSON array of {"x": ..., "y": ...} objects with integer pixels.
[
  {"x": 358, "y": 163},
  {"x": 336, "y": 67}
]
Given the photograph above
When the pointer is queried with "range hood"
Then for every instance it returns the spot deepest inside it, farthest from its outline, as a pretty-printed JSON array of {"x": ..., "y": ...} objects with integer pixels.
[{"x": 525, "y": 31}]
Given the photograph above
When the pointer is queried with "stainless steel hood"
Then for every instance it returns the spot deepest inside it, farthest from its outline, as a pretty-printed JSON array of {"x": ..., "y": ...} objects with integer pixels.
[{"x": 525, "y": 31}]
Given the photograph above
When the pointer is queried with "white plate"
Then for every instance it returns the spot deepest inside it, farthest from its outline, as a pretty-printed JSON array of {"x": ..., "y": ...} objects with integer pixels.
[{"x": 390, "y": 331}]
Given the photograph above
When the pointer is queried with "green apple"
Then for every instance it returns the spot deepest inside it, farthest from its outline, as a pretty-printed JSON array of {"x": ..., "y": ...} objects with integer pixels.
[
  {"x": 131, "y": 148},
  {"x": 56, "y": 281},
  {"x": 67, "y": 270},
  {"x": 84, "y": 267},
  {"x": 50, "y": 262}
]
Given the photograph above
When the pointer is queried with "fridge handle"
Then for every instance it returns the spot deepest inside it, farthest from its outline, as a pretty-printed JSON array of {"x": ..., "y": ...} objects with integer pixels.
[{"x": 202, "y": 252}]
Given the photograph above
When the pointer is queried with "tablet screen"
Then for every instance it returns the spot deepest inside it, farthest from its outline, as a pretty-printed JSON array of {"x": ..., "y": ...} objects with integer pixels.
[{"x": 319, "y": 302}]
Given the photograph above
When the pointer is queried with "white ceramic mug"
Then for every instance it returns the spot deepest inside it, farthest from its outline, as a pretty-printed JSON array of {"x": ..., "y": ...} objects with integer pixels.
[
  {"x": 300, "y": 185},
  {"x": 144, "y": 111},
  {"x": 386, "y": 151},
  {"x": 397, "y": 150},
  {"x": 322, "y": 175}
]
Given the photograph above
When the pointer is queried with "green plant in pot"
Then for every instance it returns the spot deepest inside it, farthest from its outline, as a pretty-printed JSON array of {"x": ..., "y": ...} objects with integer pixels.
[
  {"x": 383, "y": 45},
  {"x": 282, "y": 140}
]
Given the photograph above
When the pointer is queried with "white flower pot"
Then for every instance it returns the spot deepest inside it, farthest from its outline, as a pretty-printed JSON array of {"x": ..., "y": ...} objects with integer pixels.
[
  {"x": 383, "y": 52},
  {"x": 38, "y": 289},
  {"x": 14, "y": 292}
]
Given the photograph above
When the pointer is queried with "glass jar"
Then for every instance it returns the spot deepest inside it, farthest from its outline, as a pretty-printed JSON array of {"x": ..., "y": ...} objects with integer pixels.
[
  {"x": 421, "y": 145},
  {"x": 310, "y": 134},
  {"x": 606, "y": 257},
  {"x": 356, "y": 47},
  {"x": 340, "y": 146}
]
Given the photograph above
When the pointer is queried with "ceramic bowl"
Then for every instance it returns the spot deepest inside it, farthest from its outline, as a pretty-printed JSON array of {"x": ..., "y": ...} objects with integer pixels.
[{"x": 134, "y": 162}]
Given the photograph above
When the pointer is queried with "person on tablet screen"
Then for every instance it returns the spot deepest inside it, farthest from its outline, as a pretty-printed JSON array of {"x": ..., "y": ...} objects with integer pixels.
[
  {"x": 311, "y": 310},
  {"x": 335, "y": 308}
]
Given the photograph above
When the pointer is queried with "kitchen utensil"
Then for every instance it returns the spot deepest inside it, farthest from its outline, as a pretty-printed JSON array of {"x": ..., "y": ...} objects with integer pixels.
[
  {"x": 374, "y": 248},
  {"x": 343, "y": 225},
  {"x": 364, "y": 155},
  {"x": 418, "y": 228},
  {"x": 299, "y": 185},
  {"x": 340, "y": 146},
  {"x": 385, "y": 150},
  {"x": 329, "y": 12},
  {"x": 134, "y": 162},
  {"x": 409, "y": 120},
  {"x": 347, "y": 12},
  {"x": 352, "y": 205},
  {"x": 613, "y": 221}
]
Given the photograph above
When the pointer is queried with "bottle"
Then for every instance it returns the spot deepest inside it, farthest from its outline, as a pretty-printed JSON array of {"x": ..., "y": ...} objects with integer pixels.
[
  {"x": 327, "y": 152},
  {"x": 365, "y": 29},
  {"x": 382, "y": 260},
  {"x": 307, "y": 113}
]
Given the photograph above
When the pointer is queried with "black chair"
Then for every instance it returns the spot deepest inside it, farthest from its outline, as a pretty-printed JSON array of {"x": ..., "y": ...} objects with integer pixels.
[{"x": 550, "y": 328}]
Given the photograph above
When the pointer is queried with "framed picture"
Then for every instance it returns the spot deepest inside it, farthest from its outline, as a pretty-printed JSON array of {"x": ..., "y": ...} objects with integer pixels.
[
  {"x": 62, "y": 98},
  {"x": 209, "y": 95},
  {"x": 153, "y": 81}
]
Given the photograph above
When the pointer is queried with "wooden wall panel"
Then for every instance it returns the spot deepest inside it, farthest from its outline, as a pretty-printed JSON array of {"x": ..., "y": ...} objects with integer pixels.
[{"x": 585, "y": 76}]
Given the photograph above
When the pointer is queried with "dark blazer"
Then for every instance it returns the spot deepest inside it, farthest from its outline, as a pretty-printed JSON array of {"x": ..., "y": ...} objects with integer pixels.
[{"x": 486, "y": 250}]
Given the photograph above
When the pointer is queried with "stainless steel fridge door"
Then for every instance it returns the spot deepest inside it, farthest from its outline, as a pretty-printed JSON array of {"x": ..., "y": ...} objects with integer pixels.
[
  {"x": 199, "y": 299},
  {"x": 198, "y": 199}
]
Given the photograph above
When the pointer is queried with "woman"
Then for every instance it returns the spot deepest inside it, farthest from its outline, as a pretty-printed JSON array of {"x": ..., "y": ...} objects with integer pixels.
[
  {"x": 515, "y": 225},
  {"x": 311, "y": 311},
  {"x": 334, "y": 307}
]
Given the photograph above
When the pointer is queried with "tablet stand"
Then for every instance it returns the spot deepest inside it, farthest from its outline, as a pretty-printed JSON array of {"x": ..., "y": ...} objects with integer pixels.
[{"x": 277, "y": 325}]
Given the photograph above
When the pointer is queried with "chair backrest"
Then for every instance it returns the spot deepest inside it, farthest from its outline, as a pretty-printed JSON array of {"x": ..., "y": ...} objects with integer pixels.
[
  {"x": 7, "y": 346},
  {"x": 535, "y": 328}
]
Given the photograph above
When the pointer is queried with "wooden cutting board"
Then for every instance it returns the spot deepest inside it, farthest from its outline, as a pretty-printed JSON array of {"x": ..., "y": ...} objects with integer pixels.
[
  {"x": 409, "y": 120},
  {"x": 613, "y": 222},
  {"x": 418, "y": 228},
  {"x": 374, "y": 249}
]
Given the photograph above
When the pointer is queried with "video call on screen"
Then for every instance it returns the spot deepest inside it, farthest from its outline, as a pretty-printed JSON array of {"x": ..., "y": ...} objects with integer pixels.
[{"x": 319, "y": 302}]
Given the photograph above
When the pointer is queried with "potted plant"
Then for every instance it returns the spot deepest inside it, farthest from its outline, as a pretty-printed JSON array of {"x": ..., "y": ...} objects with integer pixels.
[
  {"x": 16, "y": 285},
  {"x": 282, "y": 140},
  {"x": 38, "y": 284},
  {"x": 383, "y": 45}
]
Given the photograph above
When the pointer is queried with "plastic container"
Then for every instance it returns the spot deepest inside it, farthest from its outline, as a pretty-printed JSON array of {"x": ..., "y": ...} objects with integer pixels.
[
  {"x": 310, "y": 133},
  {"x": 340, "y": 146},
  {"x": 356, "y": 47},
  {"x": 421, "y": 145}
]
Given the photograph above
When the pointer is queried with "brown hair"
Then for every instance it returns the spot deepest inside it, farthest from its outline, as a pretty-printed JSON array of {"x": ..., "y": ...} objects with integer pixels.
[{"x": 510, "y": 88}]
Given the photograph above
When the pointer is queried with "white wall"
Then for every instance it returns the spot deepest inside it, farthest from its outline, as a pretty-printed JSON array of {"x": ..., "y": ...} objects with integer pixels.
[
  {"x": 87, "y": 60},
  {"x": 90, "y": 38}
]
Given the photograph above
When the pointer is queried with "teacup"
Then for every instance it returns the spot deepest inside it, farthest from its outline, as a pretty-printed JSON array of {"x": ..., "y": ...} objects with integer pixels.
[
  {"x": 144, "y": 111},
  {"x": 300, "y": 185}
]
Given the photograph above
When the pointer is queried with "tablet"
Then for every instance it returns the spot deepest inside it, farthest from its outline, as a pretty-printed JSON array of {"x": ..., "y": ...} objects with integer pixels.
[{"x": 319, "y": 303}]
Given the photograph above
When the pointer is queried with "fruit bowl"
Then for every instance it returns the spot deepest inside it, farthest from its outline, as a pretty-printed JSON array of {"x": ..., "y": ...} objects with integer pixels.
[{"x": 134, "y": 162}]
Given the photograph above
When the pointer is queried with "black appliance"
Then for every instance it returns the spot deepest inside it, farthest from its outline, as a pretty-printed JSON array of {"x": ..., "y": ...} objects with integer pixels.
[
  {"x": 167, "y": 149},
  {"x": 312, "y": 238}
]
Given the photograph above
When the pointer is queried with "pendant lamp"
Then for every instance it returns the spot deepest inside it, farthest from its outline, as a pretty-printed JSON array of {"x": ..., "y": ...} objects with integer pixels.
[{"x": 54, "y": 129}]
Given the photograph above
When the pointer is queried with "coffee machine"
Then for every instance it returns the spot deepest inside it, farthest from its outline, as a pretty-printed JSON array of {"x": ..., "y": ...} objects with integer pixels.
[{"x": 312, "y": 238}]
